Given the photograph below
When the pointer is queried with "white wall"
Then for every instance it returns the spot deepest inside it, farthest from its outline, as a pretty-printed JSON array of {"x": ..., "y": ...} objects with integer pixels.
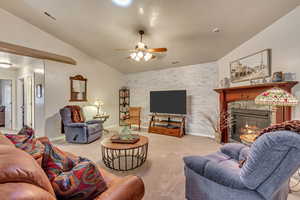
[
  {"x": 103, "y": 81},
  {"x": 199, "y": 81},
  {"x": 283, "y": 37}
]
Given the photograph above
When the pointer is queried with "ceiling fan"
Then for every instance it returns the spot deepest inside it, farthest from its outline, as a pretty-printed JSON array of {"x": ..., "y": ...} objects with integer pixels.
[{"x": 142, "y": 52}]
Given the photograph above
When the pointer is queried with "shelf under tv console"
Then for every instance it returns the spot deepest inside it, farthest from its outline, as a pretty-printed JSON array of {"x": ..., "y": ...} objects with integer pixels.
[{"x": 172, "y": 125}]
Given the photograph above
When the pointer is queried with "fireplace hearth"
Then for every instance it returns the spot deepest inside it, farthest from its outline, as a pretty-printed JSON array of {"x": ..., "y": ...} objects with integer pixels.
[{"x": 248, "y": 121}]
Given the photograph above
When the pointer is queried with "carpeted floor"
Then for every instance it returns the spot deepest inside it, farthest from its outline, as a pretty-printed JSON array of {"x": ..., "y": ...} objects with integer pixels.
[{"x": 163, "y": 171}]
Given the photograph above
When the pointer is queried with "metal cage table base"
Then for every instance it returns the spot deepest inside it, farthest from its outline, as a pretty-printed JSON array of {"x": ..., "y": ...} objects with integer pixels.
[{"x": 124, "y": 159}]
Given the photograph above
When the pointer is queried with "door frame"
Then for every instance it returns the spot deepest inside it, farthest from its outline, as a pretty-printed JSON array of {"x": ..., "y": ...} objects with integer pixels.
[{"x": 13, "y": 99}]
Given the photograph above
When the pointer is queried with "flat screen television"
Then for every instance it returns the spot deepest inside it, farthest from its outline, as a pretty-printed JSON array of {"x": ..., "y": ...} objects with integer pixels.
[{"x": 169, "y": 102}]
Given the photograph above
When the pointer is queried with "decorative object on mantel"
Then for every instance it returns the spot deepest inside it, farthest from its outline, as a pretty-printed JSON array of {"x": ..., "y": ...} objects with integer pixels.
[
  {"x": 289, "y": 76},
  {"x": 277, "y": 77},
  {"x": 276, "y": 97},
  {"x": 225, "y": 83},
  {"x": 219, "y": 122},
  {"x": 78, "y": 90},
  {"x": 249, "y": 93},
  {"x": 255, "y": 66}
]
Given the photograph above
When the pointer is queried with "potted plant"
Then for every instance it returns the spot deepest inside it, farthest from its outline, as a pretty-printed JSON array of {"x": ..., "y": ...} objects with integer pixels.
[{"x": 218, "y": 122}]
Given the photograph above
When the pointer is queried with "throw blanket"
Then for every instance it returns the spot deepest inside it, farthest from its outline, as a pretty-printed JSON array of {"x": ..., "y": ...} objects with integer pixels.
[
  {"x": 76, "y": 114},
  {"x": 25, "y": 140},
  {"x": 72, "y": 177},
  {"x": 293, "y": 126}
]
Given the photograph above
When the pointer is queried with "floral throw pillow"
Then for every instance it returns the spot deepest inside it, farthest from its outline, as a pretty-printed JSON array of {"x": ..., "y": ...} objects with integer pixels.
[{"x": 72, "y": 178}]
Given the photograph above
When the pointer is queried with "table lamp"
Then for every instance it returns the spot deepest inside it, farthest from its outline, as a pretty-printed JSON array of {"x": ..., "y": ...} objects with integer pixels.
[
  {"x": 98, "y": 103},
  {"x": 276, "y": 97}
]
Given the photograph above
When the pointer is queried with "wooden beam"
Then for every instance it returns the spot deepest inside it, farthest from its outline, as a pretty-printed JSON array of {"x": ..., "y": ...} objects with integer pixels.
[{"x": 24, "y": 51}]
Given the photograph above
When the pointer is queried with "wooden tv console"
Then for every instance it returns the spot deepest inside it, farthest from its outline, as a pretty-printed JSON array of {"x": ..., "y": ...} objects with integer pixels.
[{"x": 172, "y": 125}]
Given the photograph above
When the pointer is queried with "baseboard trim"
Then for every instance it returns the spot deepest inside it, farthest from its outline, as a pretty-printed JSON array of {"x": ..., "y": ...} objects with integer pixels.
[{"x": 201, "y": 135}]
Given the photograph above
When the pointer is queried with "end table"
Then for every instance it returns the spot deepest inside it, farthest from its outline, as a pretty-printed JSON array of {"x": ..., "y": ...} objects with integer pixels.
[{"x": 102, "y": 118}]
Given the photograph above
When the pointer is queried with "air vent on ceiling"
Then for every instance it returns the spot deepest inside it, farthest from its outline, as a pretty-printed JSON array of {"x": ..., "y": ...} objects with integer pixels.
[{"x": 49, "y": 15}]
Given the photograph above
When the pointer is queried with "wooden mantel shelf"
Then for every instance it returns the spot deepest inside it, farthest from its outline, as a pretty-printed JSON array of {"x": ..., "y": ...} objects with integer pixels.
[
  {"x": 265, "y": 85},
  {"x": 250, "y": 92}
]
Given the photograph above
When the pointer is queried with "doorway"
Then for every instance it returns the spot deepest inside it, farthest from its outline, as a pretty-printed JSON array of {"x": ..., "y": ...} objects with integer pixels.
[{"x": 5, "y": 104}]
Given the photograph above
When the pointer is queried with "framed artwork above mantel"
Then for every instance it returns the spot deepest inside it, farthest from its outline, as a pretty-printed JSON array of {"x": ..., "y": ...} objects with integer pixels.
[
  {"x": 78, "y": 88},
  {"x": 252, "y": 67}
]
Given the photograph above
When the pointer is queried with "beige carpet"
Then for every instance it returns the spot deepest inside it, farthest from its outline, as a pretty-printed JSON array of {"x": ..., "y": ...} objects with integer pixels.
[{"x": 163, "y": 171}]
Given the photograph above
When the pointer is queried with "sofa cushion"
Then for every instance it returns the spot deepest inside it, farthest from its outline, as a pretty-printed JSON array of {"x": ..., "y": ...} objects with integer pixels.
[
  {"x": 217, "y": 167},
  {"x": 5, "y": 141},
  {"x": 25, "y": 191},
  {"x": 17, "y": 166},
  {"x": 71, "y": 178}
]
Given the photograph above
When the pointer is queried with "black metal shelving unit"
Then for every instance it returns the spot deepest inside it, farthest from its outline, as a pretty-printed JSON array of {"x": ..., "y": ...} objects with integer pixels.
[{"x": 124, "y": 102}]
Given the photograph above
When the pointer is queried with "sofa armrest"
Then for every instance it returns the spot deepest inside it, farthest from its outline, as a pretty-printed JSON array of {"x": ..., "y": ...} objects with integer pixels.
[
  {"x": 76, "y": 125},
  {"x": 233, "y": 150},
  {"x": 127, "y": 188}
]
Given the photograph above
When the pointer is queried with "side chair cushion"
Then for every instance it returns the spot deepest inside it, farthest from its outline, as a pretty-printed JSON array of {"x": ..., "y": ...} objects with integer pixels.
[{"x": 217, "y": 167}]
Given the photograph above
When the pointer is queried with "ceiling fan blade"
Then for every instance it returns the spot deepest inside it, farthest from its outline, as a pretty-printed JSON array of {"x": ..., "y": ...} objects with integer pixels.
[
  {"x": 157, "y": 50},
  {"x": 129, "y": 50}
]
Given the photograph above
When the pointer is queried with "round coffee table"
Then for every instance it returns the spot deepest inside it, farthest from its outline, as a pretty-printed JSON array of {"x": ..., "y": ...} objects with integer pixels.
[{"x": 124, "y": 157}]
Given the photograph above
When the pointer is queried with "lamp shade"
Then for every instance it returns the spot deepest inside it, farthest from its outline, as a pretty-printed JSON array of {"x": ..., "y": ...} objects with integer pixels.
[
  {"x": 98, "y": 103},
  {"x": 276, "y": 97}
]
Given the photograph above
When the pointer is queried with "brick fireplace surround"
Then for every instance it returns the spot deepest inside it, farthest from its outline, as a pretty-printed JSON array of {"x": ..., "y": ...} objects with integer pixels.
[{"x": 247, "y": 93}]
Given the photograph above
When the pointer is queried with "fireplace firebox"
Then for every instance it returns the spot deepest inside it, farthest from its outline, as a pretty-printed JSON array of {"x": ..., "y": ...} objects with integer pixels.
[{"x": 248, "y": 121}]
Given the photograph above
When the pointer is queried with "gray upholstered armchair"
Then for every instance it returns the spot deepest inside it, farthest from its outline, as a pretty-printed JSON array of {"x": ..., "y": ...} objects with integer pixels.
[
  {"x": 271, "y": 161},
  {"x": 84, "y": 133}
]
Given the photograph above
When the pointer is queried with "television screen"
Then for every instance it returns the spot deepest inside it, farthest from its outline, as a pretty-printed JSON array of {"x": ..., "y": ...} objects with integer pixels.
[{"x": 170, "y": 102}]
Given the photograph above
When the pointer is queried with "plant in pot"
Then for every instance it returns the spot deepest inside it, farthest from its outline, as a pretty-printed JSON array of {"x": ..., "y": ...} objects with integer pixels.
[{"x": 218, "y": 122}]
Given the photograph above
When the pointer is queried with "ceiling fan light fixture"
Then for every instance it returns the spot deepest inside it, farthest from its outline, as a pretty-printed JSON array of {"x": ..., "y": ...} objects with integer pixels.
[
  {"x": 137, "y": 59},
  {"x": 141, "y": 45},
  {"x": 140, "y": 54},
  {"x": 148, "y": 57},
  {"x": 133, "y": 55}
]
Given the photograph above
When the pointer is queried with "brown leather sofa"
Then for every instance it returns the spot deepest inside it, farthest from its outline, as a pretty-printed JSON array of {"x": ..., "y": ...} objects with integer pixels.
[{"x": 22, "y": 178}]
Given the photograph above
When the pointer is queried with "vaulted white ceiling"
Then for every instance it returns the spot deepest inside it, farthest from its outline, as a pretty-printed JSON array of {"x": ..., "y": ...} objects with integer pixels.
[{"x": 98, "y": 27}]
